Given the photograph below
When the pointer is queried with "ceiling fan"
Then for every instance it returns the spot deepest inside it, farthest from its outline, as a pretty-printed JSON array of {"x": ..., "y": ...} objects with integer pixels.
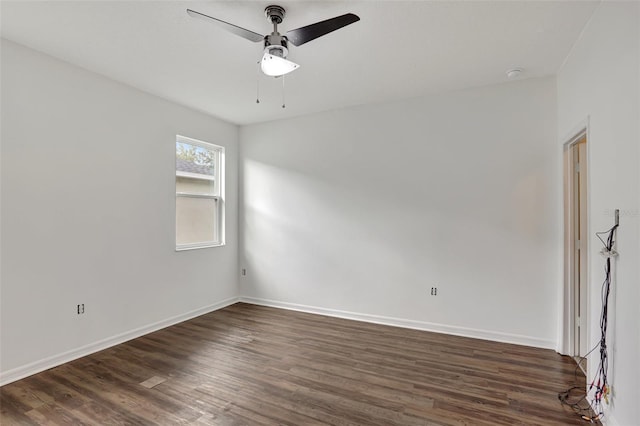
[{"x": 274, "y": 60}]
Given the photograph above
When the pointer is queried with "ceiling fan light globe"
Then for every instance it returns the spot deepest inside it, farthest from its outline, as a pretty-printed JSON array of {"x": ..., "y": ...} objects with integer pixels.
[{"x": 275, "y": 66}]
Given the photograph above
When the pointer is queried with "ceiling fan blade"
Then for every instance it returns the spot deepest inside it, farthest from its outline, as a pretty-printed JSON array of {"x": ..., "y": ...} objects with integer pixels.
[
  {"x": 242, "y": 32},
  {"x": 303, "y": 35}
]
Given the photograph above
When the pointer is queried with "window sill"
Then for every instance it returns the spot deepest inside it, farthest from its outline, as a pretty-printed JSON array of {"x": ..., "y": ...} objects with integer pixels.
[{"x": 194, "y": 247}]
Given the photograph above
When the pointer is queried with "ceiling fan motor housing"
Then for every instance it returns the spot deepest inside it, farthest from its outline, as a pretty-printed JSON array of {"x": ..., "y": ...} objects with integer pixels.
[
  {"x": 276, "y": 45},
  {"x": 275, "y": 14}
]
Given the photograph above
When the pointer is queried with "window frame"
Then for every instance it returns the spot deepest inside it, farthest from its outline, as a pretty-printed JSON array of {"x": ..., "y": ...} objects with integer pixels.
[{"x": 217, "y": 195}]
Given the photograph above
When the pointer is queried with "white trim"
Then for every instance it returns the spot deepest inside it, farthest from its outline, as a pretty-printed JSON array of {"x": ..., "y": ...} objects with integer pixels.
[
  {"x": 53, "y": 361},
  {"x": 408, "y": 323},
  {"x": 577, "y": 132},
  {"x": 195, "y": 246},
  {"x": 221, "y": 190},
  {"x": 202, "y": 144},
  {"x": 194, "y": 175},
  {"x": 565, "y": 342},
  {"x": 195, "y": 195},
  {"x": 218, "y": 194}
]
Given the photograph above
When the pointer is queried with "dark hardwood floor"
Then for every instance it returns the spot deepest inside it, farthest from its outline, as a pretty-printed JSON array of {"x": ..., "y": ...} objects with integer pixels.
[{"x": 253, "y": 365}]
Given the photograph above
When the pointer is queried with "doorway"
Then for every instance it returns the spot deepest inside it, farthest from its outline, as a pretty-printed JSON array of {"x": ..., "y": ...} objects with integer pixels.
[{"x": 575, "y": 247}]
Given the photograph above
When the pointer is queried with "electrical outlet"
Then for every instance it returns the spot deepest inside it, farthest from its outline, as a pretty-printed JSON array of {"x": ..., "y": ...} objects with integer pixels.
[
  {"x": 434, "y": 291},
  {"x": 80, "y": 309},
  {"x": 244, "y": 272}
]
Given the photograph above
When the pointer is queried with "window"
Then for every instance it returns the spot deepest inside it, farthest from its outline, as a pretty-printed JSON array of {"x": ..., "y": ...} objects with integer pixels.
[{"x": 199, "y": 194}]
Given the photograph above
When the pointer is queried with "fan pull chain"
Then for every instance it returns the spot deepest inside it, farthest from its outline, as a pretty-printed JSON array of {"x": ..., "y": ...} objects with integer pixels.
[
  {"x": 283, "y": 104},
  {"x": 258, "y": 84}
]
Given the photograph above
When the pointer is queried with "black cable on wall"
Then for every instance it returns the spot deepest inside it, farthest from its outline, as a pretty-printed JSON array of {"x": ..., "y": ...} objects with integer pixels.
[{"x": 599, "y": 384}]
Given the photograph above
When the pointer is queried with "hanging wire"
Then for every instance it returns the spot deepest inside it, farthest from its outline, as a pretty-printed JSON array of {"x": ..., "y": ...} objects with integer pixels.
[
  {"x": 258, "y": 84},
  {"x": 593, "y": 410},
  {"x": 283, "y": 104}
]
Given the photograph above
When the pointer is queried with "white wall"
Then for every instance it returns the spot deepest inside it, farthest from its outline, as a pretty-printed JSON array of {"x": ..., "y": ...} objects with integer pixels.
[
  {"x": 601, "y": 80},
  {"x": 88, "y": 213},
  {"x": 359, "y": 212}
]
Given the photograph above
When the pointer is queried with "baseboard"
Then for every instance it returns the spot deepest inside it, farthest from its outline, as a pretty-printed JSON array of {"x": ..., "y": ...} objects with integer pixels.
[
  {"x": 408, "y": 323},
  {"x": 53, "y": 361}
]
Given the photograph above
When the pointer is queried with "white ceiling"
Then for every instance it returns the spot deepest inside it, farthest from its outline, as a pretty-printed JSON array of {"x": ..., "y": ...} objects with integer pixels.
[{"x": 399, "y": 49}]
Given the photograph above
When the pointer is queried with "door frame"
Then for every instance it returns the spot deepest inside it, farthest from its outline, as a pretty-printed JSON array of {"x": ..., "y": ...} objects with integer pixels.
[{"x": 567, "y": 340}]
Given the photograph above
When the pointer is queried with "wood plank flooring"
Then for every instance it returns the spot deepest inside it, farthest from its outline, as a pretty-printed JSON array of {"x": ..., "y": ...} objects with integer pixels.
[{"x": 253, "y": 365}]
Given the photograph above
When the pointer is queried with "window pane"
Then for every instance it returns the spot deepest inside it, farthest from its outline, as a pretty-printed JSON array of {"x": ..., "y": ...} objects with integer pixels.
[
  {"x": 196, "y": 220},
  {"x": 195, "y": 159},
  {"x": 195, "y": 186}
]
